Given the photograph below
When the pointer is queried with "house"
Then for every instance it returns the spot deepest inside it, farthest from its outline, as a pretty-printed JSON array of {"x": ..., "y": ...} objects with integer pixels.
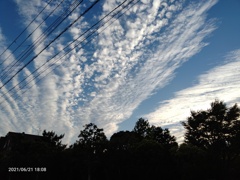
[{"x": 13, "y": 139}]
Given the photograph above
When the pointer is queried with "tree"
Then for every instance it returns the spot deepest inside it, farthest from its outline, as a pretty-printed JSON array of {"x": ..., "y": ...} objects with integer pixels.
[
  {"x": 155, "y": 133},
  {"x": 192, "y": 160},
  {"x": 216, "y": 130},
  {"x": 162, "y": 136},
  {"x": 53, "y": 139},
  {"x": 91, "y": 147},
  {"x": 142, "y": 127},
  {"x": 91, "y": 134},
  {"x": 124, "y": 140},
  {"x": 92, "y": 137}
]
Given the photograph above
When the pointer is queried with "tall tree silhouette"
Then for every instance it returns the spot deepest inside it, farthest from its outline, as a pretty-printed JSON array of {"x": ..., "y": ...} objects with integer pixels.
[
  {"x": 92, "y": 144},
  {"x": 92, "y": 138},
  {"x": 124, "y": 140},
  {"x": 162, "y": 136},
  {"x": 216, "y": 129},
  {"x": 53, "y": 139},
  {"x": 142, "y": 127},
  {"x": 155, "y": 133}
]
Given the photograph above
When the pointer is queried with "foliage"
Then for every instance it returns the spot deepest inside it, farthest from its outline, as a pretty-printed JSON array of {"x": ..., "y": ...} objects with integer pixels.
[
  {"x": 91, "y": 139},
  {"x": 142, "y": 127},
  {"x": 124, "y": 140},
  {"x": 155, "y": 133},
  {"x": 91, "y": 135},
  {"x": 210, "y": 151},
  {"x": 53, "y": 139},
  {"x": 216, "y": 129},
  {"x": 162, "y": 136}
]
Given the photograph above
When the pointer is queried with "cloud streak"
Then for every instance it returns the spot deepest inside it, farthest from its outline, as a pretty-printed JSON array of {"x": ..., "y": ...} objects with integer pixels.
[
  {"x": 142, "y": 71},
  {"x": 221, "y": 82},
  {"x": 108, "y": 79}
]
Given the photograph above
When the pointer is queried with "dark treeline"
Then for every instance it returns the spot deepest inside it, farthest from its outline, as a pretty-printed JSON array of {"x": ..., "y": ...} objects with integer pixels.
[{"x": 210, "y": 151}]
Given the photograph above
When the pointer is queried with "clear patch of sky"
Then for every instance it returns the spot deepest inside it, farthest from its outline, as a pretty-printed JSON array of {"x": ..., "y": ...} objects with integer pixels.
[{"x": 8, "y": 21}]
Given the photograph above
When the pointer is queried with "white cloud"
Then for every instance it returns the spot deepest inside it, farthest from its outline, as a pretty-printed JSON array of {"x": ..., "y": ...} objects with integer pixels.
[
  {"x": 105, "y": 82},
  {"x": 132, "y": 77},
  {"x": 221, "y": 82}
]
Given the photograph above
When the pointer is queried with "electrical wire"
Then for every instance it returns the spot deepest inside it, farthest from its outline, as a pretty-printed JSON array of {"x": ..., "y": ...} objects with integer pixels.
[
  {"x": 26, "y": 28},
  {"x": 44, "y": 20},
  {"x": 28, "y": 82},
  {"x": 40, "y": 39},
  {"x": 89, "y": 8}
]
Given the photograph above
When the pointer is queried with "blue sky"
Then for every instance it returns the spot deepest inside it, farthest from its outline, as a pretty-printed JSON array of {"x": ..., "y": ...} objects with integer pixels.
[{"x": 160, "y": 60}]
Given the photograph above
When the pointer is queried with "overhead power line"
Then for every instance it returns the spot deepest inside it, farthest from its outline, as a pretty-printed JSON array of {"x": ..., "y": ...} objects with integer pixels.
[
  {"x": 20, "y": 45},
  {"x": 127, "y": 7},
  {"x": 13, "y": 67},
  {"x": 92, "y": 5},
  {"x": 26, "y": 28}
]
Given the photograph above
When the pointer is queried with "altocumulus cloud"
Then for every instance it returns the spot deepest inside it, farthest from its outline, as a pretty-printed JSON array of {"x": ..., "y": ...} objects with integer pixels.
[
  {"x": 222, "y": 82},
  {"x": 108, "y": 79}
]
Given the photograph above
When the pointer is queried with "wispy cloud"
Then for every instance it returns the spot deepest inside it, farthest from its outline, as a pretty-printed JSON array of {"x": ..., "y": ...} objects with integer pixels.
[
  {"x": 108, "y": 79},
  {"x": 131, "y": 71},
  {"x": 221, "y": 82}
]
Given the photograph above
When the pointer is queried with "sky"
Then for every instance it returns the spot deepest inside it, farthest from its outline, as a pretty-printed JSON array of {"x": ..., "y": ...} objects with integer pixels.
[{"x": 63, "y": 64}]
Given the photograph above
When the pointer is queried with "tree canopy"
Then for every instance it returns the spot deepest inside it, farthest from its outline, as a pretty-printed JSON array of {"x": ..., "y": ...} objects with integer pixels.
[
  {"x": 211, "y": 151},
  {"x": 91, "y": 139},
  {"x": 53, "y": 139},
  {"x": 142, "y": 127},
  {"x": 216, "y": 129},
  {"x": 155, "y": 133},
  {"x": 91, "y": 134}
]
